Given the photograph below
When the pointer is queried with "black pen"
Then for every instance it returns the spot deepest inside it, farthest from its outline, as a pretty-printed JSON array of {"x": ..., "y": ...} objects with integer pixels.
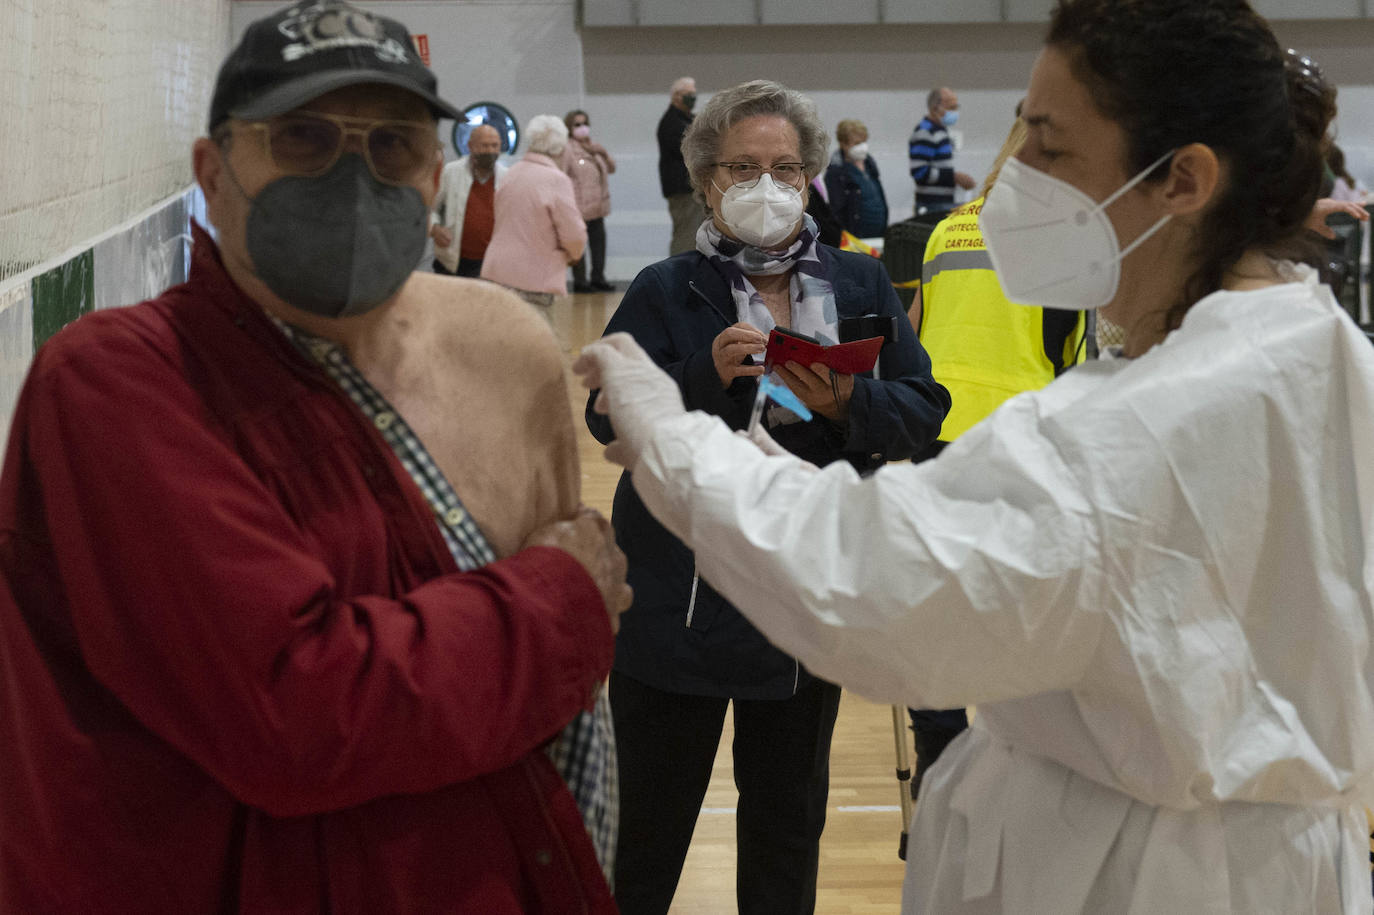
[{"x": 691, "y": 284}]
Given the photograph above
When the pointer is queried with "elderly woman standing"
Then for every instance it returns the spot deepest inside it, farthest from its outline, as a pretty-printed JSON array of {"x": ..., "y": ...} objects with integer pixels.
[
  {"x": 685, "y": 653},
  {"x": 853, "y": 182},
  {"x": 588, "y": 164},
  {"x": 538, "y": 229}
]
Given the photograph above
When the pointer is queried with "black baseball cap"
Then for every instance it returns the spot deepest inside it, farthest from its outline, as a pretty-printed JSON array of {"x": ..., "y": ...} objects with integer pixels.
[{"x": 313, "y": 47}]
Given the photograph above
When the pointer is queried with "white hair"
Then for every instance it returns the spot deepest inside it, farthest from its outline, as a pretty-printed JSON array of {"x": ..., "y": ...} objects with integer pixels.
[
  {"x": 681, "y": 84},
  {"x": 704, "y": 137},
  {"x": 547, "y": 134}
]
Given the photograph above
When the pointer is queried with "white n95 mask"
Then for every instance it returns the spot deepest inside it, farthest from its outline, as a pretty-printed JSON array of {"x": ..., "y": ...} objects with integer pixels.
[
  {"x": 762, "y": 215},
  {"x": 1051, "y": 244}
]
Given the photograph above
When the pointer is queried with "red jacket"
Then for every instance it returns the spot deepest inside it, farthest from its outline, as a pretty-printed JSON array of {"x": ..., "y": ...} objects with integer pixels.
[{"x": 239, "y": 671}]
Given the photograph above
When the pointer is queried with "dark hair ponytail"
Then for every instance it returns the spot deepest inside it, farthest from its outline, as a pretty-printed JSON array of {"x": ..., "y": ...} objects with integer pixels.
[
  {"x": 1335, "y": 163},
  {"x": 1175, "y": 72},
  {"x": 1312, "y": 105}
]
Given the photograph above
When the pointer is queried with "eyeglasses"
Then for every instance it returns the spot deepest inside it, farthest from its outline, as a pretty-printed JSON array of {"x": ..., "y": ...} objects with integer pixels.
[
  {"x": 747, "y": 174},
  {"x": 308, "y": 145}
]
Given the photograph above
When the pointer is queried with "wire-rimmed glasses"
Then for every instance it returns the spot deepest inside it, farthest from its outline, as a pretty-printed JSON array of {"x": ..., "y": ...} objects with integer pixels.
[{"x": 747, "y": 174}]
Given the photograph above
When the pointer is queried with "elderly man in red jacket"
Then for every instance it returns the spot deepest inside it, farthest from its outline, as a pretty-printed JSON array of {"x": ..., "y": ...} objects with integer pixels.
[{"x": 299, "y": 612}]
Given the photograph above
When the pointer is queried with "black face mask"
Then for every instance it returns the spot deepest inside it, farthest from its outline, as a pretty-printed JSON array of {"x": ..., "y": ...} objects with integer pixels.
[
  {"x": 337, "y": 245},
  {"x": 689, "y": 101},
  {"x": 484, "y": 161}
]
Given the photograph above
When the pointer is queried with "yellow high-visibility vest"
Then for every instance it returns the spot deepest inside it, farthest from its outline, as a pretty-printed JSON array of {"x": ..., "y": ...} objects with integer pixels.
[{"x": 983, "y": 348}]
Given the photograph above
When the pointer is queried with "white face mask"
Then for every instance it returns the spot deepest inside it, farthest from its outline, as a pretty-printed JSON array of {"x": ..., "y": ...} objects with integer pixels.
[
  {"x": 1051, "y": 244},
  {"x": 763, "y": 215},
  {"x": 858, "y": 152}
]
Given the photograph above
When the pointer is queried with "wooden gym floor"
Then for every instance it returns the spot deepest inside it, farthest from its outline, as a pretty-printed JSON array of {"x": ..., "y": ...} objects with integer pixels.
[{"x": 859, "y": 868}]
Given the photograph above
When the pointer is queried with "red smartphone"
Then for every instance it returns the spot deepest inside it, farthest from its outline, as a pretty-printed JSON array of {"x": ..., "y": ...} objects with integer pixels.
[{"x": 785, "y": 345}]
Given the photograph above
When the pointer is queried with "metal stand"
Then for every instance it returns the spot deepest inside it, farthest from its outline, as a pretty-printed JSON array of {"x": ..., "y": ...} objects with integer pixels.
[
  {"x": 857, "y": 329},
  {"x": 903, "y": 773}
]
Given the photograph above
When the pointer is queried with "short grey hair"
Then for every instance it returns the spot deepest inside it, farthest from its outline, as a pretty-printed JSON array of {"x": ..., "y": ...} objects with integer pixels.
[
  {"x": 546, "y": 134},
  {"x": 701, "y": 142},
  {"x": 934, "y": 97},
  {"x": 680, "y": 84}
]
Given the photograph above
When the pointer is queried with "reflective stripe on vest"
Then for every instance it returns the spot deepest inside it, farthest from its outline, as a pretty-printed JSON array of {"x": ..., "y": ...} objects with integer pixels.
[{"x": 982, "y": 348}]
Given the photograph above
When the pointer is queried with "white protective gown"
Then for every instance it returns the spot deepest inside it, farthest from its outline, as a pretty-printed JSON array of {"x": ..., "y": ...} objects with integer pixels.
[{"x": 1154, "y": 579}]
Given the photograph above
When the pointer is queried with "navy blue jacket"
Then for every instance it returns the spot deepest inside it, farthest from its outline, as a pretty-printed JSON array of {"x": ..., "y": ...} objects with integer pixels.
[
  {"x": 680, "y": 635},
  {"x": 864, "y": 216}
]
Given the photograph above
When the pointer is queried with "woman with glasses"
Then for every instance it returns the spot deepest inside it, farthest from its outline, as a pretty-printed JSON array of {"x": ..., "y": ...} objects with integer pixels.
[{"x": 684, "y": 653}]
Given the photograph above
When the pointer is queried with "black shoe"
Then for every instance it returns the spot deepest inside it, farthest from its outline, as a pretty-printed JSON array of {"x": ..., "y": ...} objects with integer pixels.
[
  {"x": 583, "y": 287},
  {"x": 602, "y": 286}
]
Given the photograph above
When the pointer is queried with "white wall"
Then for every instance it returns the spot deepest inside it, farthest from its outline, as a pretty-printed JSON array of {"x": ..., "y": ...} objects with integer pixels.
[
  {"x": 101, "y": 102},
  {"x": 102, "y": 99},
  {"x": 533, "y": 57}
]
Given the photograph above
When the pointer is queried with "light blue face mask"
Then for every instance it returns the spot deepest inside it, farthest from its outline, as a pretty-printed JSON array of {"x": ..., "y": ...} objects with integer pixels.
[{"x": 951, "y": 118}]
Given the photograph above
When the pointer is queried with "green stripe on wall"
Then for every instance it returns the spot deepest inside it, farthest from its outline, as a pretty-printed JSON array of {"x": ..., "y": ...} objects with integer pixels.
[{"x": 62, "y": 295}]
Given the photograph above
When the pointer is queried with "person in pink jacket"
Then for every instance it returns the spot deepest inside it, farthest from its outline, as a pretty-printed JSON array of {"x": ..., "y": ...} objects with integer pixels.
[
  {"x": 588, "y": 164},
  {"x": 539, "y": 230}
]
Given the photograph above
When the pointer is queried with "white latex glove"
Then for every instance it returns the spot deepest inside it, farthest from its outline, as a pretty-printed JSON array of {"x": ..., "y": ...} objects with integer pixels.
[
  {"x": 765, "y": 443},
  {"x": 763, "y": 440},
  {"x": 635, "y": 393}
]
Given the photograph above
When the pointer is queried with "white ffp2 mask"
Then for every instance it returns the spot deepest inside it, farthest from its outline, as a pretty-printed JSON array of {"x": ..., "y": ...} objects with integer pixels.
[
  {"x": 763, "y": 215},
  {"x": 1051, "y": 244}
]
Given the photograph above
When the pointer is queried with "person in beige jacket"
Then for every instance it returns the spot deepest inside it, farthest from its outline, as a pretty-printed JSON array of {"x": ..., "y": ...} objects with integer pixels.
[{"x": 588, "y": 164}]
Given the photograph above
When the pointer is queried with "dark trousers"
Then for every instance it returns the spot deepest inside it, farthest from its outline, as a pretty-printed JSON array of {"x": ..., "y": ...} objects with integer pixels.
[
  {"x": 933, "y": 731},
  {"x": 596, "y": 250},
  {"x": 666, "y": 745},
  {"x": 466, "y": 267},
  {"x": 687, "y": 214}
]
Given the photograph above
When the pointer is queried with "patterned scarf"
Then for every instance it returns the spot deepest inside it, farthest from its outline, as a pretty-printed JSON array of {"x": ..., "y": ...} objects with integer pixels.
[{"x": 813, "y": 298}]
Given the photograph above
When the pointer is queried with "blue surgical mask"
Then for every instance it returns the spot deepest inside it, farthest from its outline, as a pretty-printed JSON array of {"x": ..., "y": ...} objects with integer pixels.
[
  {"x": 950, "y": 119},
  {"x": 339, "y": 244}
]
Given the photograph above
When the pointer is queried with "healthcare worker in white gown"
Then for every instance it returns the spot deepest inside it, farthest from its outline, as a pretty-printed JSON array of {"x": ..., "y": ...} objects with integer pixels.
[{"x": 1154, "y": 577}]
